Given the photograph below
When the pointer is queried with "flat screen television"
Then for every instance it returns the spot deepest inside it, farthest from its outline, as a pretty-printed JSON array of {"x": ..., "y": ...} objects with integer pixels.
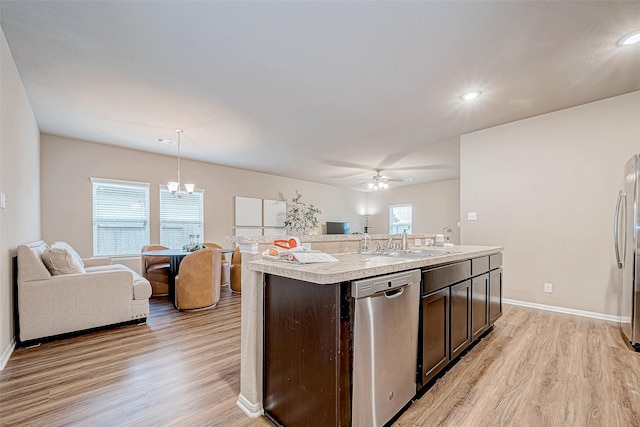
[{"x": 338, "y": 228}]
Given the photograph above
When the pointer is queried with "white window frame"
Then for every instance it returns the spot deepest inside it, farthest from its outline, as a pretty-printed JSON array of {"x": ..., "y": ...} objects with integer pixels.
[
  {"x": 397, "y": 227},
  {"x": 121, "y": 215},
  {"x": 175, "y": 228}
]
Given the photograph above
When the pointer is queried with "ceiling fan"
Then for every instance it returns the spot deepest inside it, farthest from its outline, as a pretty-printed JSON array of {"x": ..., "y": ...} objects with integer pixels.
[{"x": 379, "y": 182}]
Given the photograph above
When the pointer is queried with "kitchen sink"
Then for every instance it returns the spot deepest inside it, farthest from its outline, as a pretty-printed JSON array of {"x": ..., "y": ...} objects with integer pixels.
[{"x": 415, "y": 253}]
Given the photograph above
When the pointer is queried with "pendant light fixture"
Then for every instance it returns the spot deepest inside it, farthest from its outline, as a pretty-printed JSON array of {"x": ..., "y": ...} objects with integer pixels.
[{"x": 174, "y": 187}]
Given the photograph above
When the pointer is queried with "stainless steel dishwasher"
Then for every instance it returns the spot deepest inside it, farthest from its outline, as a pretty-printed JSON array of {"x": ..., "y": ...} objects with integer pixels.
[{"x": 385, "y": 349}]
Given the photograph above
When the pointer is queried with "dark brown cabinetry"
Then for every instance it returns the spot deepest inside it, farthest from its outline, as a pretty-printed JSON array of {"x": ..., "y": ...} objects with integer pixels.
[
  {"x": 307, "y": 342},
  {"x": 495, "y": 295},
  {"x": 460, "y": 302},
  {"x": 460, "y": 317},
  {"x": 434, "y": 344},
  {"x": 479, "y": 305},
  {"x": 444, "y": 317},
  {"x": 495, "y": 289}
]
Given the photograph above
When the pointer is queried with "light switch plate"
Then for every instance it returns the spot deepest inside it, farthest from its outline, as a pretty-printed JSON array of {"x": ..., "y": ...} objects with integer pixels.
[
  {"x": 417, "y": 242},
  {"x": 472, "y": 216},
  {"x": 3, "y": 201}
]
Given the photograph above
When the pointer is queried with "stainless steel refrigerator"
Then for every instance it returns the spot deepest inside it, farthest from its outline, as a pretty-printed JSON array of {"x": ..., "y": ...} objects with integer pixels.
[{"x": 626, "y": 240}]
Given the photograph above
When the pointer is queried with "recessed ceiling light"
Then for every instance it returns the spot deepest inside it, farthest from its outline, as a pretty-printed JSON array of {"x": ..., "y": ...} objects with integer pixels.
[
  {"x": 468, "y": 96},
  {"x": 630, "y": 39},
  {"x": 166, "y": 141}
]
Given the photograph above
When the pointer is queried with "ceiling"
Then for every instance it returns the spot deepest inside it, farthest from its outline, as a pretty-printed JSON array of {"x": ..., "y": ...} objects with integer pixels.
[{"x": 320, "y": 91}]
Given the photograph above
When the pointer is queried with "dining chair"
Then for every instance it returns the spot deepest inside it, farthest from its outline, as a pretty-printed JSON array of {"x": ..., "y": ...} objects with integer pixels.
[
  {"x": 225, "y": 267},
  {"x": 236, "y": 270},
  {"x": 198, "y": 280},
  {"x": 156, "y": 270}
]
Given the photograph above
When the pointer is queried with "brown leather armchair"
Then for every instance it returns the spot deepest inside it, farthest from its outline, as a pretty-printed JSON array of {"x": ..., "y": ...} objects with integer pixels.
[
  {"x": 236, "y": 270},
  {"x": 225, "y": 268},
  {"x": 156, "y": 270},
  {"x": 198, "y": 281}
]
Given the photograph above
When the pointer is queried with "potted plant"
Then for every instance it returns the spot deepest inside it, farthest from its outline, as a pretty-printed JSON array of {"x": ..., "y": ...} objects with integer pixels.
[{"x": 301, "y": 217}]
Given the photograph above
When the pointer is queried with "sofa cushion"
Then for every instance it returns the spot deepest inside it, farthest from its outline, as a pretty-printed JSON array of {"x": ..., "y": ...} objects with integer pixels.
[
  {"x": 30, "y": 265},
  {"x": 141, "y": 286},
  {"x": 61, "y": 258}
]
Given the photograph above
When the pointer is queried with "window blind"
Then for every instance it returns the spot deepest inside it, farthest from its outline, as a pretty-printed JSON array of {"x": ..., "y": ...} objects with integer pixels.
[
  {"x": 120, "y": 217},
  {"x": 181, "y": 218}
]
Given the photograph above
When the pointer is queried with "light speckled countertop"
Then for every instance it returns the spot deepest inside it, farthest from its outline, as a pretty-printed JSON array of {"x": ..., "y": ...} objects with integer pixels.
[{"x": 353, "y": 266}]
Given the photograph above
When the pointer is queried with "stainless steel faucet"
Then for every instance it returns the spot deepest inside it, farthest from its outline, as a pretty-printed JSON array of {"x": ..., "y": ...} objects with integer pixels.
[{"x": 389, "y": 244}]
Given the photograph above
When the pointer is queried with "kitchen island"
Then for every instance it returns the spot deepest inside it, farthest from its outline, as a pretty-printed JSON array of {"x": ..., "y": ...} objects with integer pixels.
[{"x": 309, "y": 307}]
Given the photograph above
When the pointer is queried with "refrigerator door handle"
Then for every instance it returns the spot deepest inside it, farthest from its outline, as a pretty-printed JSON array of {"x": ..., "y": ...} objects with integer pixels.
[{"x": 622, "y": 201}]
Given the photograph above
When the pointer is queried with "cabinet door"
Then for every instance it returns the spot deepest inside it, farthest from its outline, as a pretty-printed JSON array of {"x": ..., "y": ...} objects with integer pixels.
[
  {"x": 479, "y": 305},
  {"x": 460, "y": 317},
  {"x": 434, "y": 355},
  {"x": 305, "y": 371},
  {"x": 495, "y": 295}
]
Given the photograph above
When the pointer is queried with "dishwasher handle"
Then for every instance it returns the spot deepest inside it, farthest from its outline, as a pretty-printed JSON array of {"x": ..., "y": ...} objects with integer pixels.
[{"x": 395, "y": 293}]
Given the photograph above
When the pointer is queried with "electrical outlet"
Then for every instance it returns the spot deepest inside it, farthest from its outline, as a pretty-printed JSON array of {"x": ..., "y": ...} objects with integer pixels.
[
  {"x": 548, "y": 288},
  {"x": 417, "y": 242},
  {"x": 472, "y": 216}
]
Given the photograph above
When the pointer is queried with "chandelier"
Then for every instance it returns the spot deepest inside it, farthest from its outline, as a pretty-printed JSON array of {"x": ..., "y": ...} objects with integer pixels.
[{"x": 174, "y": 186}]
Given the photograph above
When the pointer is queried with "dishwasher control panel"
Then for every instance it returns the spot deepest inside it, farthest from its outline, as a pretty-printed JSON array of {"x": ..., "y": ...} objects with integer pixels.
[{"x": 366, "y": 287}]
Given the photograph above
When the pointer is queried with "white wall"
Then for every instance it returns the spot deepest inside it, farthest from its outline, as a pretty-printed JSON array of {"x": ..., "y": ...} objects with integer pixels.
[
  {"x": 19, "y": 180},
  {"x": 435, "y": 205},
  {"x": 67, "y": 165},
  {"x": 545, "y": 188}
]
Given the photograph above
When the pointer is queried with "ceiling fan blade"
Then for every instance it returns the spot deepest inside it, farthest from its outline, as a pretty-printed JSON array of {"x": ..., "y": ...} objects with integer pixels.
[
  {"x": 416, "y": 168},
  {"x": 343, "y": 164},
  {"x": 392, "y": 159},
  {"x": 397, "y": 180}
]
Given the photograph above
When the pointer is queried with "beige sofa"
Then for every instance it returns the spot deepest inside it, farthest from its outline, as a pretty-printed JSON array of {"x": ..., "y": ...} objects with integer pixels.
[{"x": 101, "y": 294}]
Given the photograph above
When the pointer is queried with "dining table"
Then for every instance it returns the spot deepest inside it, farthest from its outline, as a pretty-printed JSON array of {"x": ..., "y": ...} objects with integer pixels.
[{"x": 175, "y": 258}]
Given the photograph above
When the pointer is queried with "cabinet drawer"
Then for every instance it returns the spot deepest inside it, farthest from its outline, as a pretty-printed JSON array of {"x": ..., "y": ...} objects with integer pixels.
[
  {"x": 479, "y": 265},
  {"x": 495, "y": 261},
  {"x": 439, "y": 277}
]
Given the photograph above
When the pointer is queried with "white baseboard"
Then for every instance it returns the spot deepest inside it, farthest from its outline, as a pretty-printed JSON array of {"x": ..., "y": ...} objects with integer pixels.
[
  {"x": 253, "y": 410},
  {"x": 591, "y": 314},
  {"x": 7, "y": 354}
]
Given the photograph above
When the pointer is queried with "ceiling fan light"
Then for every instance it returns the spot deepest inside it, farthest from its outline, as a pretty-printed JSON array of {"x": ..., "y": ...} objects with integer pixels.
[
  {"x": 630, "y": 39},
  {"x": 468, "y": 96},
  {"x": 371, "y": 185}
]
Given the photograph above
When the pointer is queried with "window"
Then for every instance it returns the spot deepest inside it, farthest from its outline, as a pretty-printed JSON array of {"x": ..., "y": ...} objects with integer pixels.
[
  {"x": 180, "y": 218},
  {"x": 400, "y": 218},
  {"x": 120, "y": 217}
]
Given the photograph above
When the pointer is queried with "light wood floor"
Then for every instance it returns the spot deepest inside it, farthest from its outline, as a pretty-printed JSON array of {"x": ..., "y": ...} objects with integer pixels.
[{"x": 535, "y": 368}]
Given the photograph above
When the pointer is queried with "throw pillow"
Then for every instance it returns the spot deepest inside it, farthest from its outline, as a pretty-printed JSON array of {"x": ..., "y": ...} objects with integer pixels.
[{"x": 61, "y": 258}]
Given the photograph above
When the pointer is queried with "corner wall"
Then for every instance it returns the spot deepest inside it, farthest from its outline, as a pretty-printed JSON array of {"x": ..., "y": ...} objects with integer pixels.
[
  {"x": 545, "y": 188},
  {"x": 19, "y": 180}
]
